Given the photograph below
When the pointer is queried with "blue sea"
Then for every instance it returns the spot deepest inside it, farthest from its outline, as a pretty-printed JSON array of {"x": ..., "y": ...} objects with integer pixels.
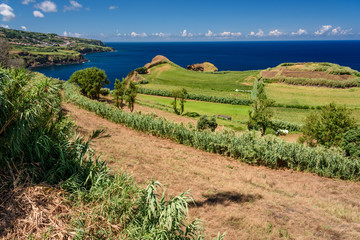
[{"x": 236, "y": 56}]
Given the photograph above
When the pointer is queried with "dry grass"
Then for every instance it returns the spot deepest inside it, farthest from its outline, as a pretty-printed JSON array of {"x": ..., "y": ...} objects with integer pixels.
[
  {"x": 34, "y": 212},
  {"x": 247, "y": 202}
]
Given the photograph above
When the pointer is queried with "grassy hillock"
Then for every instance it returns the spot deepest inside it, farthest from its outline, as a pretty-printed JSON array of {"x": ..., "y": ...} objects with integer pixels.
[
  {"x": 166, "y": 75},
  {"x": 42, "y": 49}
]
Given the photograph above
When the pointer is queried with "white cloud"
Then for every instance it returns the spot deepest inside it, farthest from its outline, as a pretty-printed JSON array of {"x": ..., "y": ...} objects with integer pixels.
[
  {"x": 275, "y": 32},
  {"x": 7, "y": 12},
  {"x": 113, "y": 7},
  {"x": 209, "y": 34},
  {"x": 322, "y": 30},
  {"x": 65, "y": 34},
  {"x": 340, "y": 31},
  {"x": 74, "y": 5},
  {"x": 160, "y": 34},
  {"x": 260, "y": 33},
  {"x": 38, "y": 14},
  {"x": 26, "y": 2},
  {"x": 230, "y": 34},
  {"x": 184, "y": 33},
  {"x": 134, "y": 34},
  {"x": 299, "y": 32},
  {"x": 4, "y": 26},
  {"x": 47, "y": 6},
  {"x": 252, "y": 34},
  {"x": 76, "y": 35},
  {"x": 23, "y": 28}
]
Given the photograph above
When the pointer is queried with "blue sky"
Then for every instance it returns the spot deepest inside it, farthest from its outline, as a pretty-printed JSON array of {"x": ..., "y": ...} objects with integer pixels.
[{"x": 160, "y": 20}]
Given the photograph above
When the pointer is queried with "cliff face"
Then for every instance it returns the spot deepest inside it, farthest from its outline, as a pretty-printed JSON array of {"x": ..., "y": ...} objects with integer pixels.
[{"x": 41, "y": 60}]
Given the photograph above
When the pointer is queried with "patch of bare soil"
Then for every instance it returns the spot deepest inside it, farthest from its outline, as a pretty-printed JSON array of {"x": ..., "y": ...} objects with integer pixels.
[
  {"x": 246, "y": 202},
  {"x": 33, "y": 212},
  {"x": 304, "y": 74},
  {"x": 292, "y": 137}
]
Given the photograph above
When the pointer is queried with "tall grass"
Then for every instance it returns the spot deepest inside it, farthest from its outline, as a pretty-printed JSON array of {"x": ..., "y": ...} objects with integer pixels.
[
  {"x": 248, "y": 147},
  {"x": 37, "y": 142}
]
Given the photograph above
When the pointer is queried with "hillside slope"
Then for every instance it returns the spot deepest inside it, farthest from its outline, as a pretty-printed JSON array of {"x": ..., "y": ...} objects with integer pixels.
[{"x": 43, "y": 49}]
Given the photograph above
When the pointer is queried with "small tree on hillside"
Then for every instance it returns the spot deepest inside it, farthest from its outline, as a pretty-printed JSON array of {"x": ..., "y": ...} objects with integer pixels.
[
  {"x": 261, "y": 114},
  {"x": 327, "y": 128},
  {"x": 131, "y": 93},
  {"x": 181, "y": 95},
  {"x": 90, "y": 80},
  {"x": 6, "y": 60},
  {"x": 119, "y": 92}
]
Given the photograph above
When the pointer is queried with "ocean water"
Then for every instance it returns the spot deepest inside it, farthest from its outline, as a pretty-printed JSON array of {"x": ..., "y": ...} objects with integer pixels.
[{"x": 224, "y": 55}]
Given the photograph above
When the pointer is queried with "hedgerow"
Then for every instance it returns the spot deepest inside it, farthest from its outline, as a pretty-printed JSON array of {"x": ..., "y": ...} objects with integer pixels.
[
  {"x": 248, "y": 147},
  {"x": 199, "y": 97},
  {"x": 354, "y": 82}
]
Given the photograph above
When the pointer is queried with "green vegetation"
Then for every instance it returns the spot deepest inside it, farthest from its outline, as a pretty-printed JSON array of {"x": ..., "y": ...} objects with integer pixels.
[
  {"x": 205, "y": 123},
  {"x": 261, "y": 113},
  {"x": 6, "y": 60},
  {"x": 166, "y": 76},
  {"x": 90, "y": 80},
  {"x": 131, "y": 93},
  {"x": 38, "y": 144},
  {"x": 181, "y": 95},
  {"x": 248, "y": 147},
  {"x": 327, "y": 127},
  {"x": 40, "y": 49},
  {"x": 351, "y": 142},
  {"x": 119, "y": 92}
]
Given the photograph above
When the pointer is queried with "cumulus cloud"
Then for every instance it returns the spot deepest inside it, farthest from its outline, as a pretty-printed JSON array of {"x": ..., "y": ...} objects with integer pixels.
[
  {"x": 23, "y": 28},
  {"x": 74, "y": 5},
  {"x": 7, "y": 12},
  {"x": 299, "y": 32},
  {"x": 4, "y": 25},
  {"x": 184, "y": 33},
  {"x": 260, "y": 33},
  {"x": 113, "y": 7},
  {"x": 134, "y": 34},
  {"x": 26, "y": 2},
  {"x": 324, "y": 29},
  {"x": 230, "y": 34},
  {"x": 275, "y": 32},
  {"x": 209, "y": 34},
  {"x": 38, "y": 14},
  {"x": 47, "y": 6},
  {"x": 340, "y": 31},
  {"x": 65, "y": 34},
  {"x": 160, "y": 34}
]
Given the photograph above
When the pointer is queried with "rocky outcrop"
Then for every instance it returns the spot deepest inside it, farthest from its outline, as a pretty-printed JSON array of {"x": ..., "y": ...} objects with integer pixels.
[
  {"x": 202, "y": 67},
  {"x": 41, "y": 60},
  {"x": 134, "y": 76}
]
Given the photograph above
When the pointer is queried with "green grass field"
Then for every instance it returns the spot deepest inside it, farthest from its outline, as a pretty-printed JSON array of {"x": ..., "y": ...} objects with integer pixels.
[
  {"x": 238, "y": 113},
  {"x": 312, "y": 96},
  {"x": 169, "y": 77}
]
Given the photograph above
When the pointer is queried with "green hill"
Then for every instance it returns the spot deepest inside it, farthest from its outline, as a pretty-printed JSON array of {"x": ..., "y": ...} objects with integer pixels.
[{"x": 42, "y": 49}]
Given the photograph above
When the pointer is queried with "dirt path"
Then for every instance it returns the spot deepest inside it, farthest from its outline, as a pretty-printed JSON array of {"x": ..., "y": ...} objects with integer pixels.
[{"x": 246, "y": 202}]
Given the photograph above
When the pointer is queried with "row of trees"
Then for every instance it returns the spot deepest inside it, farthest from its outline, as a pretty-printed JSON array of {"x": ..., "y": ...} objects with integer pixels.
[{"x": 92, "y": 80}]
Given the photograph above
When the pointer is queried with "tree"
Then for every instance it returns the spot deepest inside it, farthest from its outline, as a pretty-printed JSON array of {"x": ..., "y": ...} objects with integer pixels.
[
  {"x": 181, "y": 95},
  {"x": 261, "y": 114},
  {"x": 119, "y": 92},
  {"x": 6, "y": 60},
  {"x": 90, "y": 80},
  {"x": 131, "y": 93},
  {"x": 327, "y": 127}
]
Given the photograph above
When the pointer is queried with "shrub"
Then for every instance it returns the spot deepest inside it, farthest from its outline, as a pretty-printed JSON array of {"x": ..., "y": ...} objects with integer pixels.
[
  {"x": 90, "y": 80},
  {"x": 118, "y": 92},
  {"x": 351, "y": 143},
  {"x": 105, "y": 91},
  {"x": 131, "y": 95},
  {"x": 328, "y": 126},
  {"x": 141, "y": 70},
  {"x": 279, "y": 124},
  {"x": 205, "y": 123},
  {"x": 191, "y": 114},
  {"x": 181, "y": 95}
]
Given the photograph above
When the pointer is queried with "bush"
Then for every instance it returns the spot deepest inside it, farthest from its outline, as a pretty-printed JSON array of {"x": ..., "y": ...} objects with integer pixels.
[
  {"x": 278, "y": 124},
  {"x": 327, "y": 127},
  {"x": 205, "y": 123},
  {"x": 351, "y": 143},
  {"x": 191, "y": 114},
  {"x": 141, "y": 70},
  {"x": 105, "y": 91},
  {"x": 90, "y": 80}
]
